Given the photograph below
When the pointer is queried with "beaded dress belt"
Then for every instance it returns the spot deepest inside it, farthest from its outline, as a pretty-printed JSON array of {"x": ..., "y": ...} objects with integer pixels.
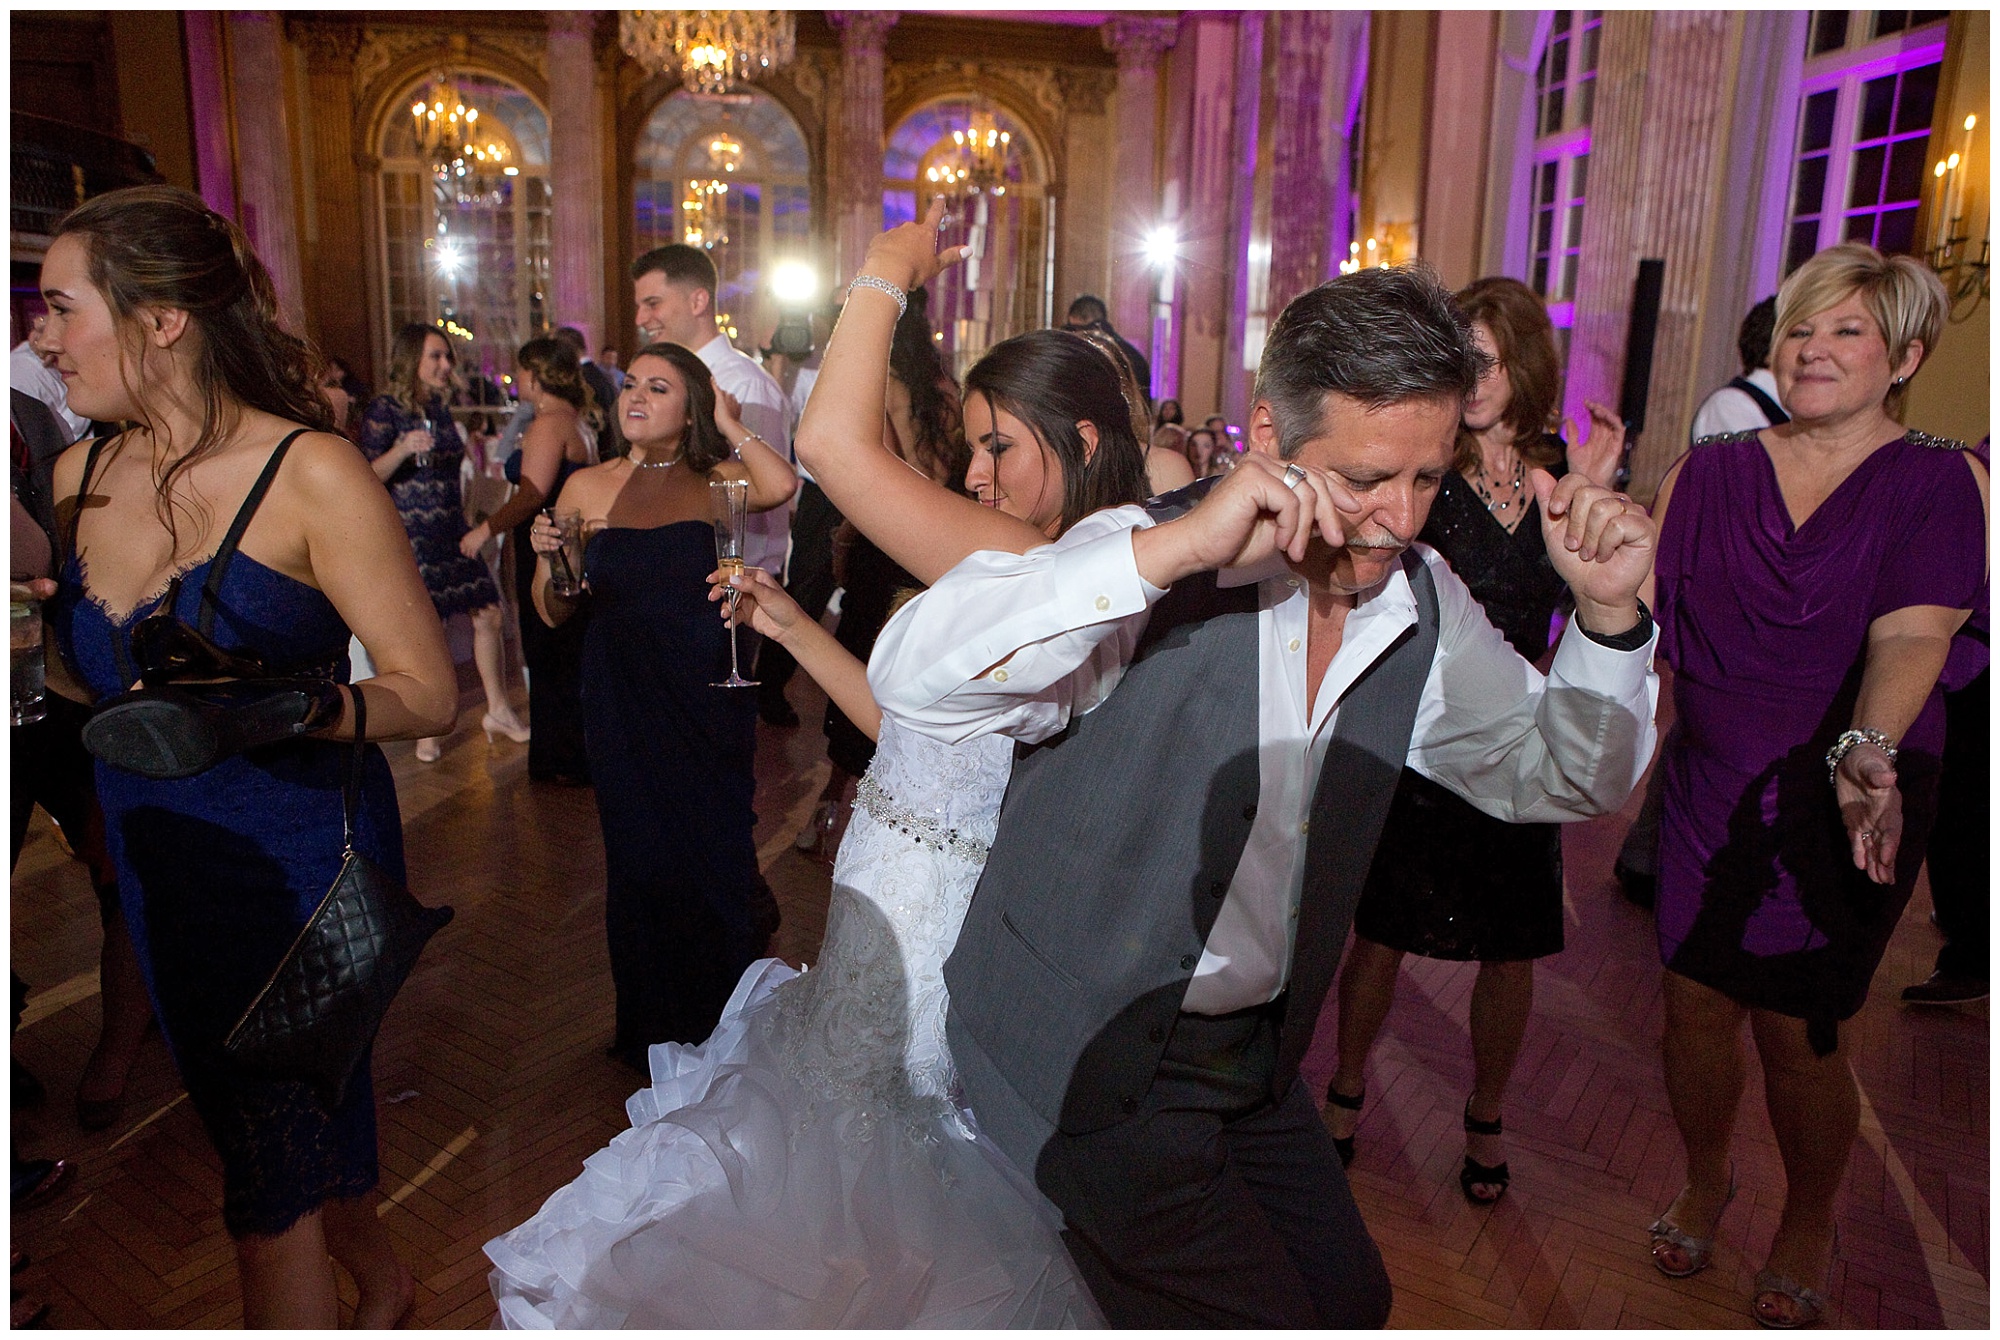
[{"x": 919, "y": 828}]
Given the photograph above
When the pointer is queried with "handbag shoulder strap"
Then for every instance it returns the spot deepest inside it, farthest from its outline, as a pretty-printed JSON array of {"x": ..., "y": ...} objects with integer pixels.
[
  {"x": 350, "y": 800},
  {"x": 217, "y": 566}
]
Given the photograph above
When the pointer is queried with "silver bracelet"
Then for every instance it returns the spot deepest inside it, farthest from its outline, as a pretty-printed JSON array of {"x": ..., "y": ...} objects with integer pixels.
[
  {"x": 872, "y": 281},
  {"x": 1848, "y": 739},
  {"x": 736, "y": 447}
]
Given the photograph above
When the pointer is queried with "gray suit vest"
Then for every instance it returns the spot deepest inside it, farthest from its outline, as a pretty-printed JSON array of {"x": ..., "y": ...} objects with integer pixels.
[{"x": 1117, "y": 842}]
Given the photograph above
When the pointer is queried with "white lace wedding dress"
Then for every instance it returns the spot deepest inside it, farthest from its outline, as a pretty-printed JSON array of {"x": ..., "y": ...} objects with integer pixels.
[{"x": 807, "y": 1165}]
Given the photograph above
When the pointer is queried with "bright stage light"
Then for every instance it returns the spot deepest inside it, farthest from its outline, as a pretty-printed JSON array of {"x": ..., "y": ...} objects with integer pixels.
[
  {"x": 794, "y": 283},
  {"x": 1161, "y": 246}
]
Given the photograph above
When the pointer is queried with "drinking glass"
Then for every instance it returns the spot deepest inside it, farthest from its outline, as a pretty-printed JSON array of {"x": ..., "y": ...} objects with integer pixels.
[
  {"x": 422, "y": 459},
  {"x": 30, "y": 670},
  {"x": 566, "y": 563},
  {"x": 730, "y": 499}
]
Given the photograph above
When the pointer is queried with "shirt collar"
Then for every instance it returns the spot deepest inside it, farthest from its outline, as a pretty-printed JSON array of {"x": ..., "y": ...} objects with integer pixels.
[{"x": 1391, "y": 596}]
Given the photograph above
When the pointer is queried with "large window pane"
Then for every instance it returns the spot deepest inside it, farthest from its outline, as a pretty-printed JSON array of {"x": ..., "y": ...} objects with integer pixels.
[
  {"x": 1829, "y": 31},
  {"x": 1866, "y": 185},
  {"x": 1898, "y": 231},
  {"x": 1816, "y": 123},
  {"x": 1906, "y": 170},
  {"x": 1810, "y": 196},
  {"x": 1878, "y": 97},
  {"x": 1917, "y": 99}
]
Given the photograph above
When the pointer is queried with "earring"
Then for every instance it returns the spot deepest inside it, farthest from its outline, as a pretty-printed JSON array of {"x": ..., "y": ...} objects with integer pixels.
[{"x": 1896, "y": 384}]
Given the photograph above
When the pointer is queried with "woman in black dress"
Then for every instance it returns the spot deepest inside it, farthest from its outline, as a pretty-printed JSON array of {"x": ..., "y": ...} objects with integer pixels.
[
  {"x": 561, "y": 440},
  {"x": 1449, "y": 881},
  {"x": 670, "y": 753},
  {"x": 409, "y": 437}
]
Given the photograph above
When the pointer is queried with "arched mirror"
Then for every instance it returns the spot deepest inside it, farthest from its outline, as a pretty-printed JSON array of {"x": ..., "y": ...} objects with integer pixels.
[
  {"x": 469, "y": 248},
  {"x": 995, "y": 177},
  {"x": 729, "y": 174}
]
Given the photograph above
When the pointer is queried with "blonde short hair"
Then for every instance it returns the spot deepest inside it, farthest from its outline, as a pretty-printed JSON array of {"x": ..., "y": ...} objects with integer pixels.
[{"x": 1903, "y": 295}]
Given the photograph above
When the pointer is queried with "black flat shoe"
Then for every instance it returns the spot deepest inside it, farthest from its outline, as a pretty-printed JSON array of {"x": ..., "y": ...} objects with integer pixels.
[
  {"x": 1475, "y": 1173},
  {"x": 1343, "y": 1145},
  {"x": 1944, "y": 988}
]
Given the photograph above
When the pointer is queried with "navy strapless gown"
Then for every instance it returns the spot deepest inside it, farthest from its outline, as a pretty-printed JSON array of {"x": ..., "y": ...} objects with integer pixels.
[
  {"x": 671, "y": 758},
  {"x": 217, "y": 873}
]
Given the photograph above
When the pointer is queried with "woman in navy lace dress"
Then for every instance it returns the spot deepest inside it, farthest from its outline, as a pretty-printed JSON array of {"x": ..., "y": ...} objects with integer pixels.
[
  {"x": 409, "y": 437},
  {"x": 161, "y": 316}
]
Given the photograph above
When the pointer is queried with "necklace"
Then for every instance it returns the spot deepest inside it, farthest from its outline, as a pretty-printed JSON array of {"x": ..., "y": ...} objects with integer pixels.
[
  {"x": 1513, "y": 487},
  {"x": 658, "y": 465}
]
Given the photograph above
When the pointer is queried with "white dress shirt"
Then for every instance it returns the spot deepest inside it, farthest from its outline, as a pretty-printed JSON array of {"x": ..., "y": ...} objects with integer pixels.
[
  {"x": 767, "y": 535},
  {"x": 26, "y": 372},
  {"x": 1018, "y": 644},
  {"x": 1729, "y": 410}
]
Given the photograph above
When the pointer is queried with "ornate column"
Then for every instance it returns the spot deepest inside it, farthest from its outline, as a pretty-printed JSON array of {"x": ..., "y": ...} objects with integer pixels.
[
  {"x": 1310, "y": 161},
  {"x": 857, "y": 157},
  {"x": 1235, "y": 398},
  {"x": 1138, "y": 43},
  {"x": 336, "y": 251},
  {"x": 264, "y": 155},
  {"x": 1207, "y": 170},
  {"x": 1658, "y": 143},
  {"x": 576, "y": 172}
]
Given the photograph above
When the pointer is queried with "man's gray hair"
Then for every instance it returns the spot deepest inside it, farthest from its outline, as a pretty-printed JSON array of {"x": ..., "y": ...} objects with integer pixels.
[{"x": 1377, "y": 336}]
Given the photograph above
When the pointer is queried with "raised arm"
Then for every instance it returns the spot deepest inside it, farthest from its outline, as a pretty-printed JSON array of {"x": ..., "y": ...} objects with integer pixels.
[
  {"x": 918, "y": 523},
  {"x": 772, "y": 479}
]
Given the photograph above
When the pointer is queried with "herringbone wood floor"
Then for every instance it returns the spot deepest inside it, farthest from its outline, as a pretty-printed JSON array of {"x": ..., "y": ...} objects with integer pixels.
[{"x": 493, "y": 1087}]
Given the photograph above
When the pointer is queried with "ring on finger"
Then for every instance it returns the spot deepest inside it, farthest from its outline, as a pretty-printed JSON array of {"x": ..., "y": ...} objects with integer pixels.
[{"x": 1293, "y": 474}]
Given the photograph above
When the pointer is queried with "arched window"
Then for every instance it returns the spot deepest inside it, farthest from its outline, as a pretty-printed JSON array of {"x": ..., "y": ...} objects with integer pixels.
[
  {"x": 749, "y": 144},
  {"x": 476, "y": 259},
  {"x": 1007, "y": 287}
]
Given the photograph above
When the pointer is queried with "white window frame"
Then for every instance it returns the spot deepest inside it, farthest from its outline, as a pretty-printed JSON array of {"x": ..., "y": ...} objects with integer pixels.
[
  {"x": 1845, "y": 71},
  {"x": 1562, "y": 147}
]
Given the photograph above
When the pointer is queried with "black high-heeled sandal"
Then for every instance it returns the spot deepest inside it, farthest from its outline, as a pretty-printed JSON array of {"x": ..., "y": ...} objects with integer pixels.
[
  {"x": 1475, "y": 1173},
  {"x": 1343, "y": 1145}
]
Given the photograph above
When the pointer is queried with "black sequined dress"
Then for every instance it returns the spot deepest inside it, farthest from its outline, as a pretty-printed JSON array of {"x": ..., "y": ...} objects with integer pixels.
[{"x": 1449, "y": 881}]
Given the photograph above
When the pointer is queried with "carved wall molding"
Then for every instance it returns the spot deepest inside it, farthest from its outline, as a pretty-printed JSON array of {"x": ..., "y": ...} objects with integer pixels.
[
  {"x": 1086, "y": 92},
  {"x": 1139, "y": 42},
  {"x": 326, "y": 45},
  {"x": 1033, "y": 95}
]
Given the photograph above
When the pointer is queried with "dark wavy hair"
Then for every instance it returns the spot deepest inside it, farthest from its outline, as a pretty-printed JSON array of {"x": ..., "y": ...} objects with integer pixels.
[
  {"x": 940, "y": 449},
  {"x": 1052, "y": 380},
  {"x": 557, "y": 368},
  {"x": 702, "y": 445},
  {"x": 406, "y": 353},
  {"x": 1525, "y": 341},
  {"x": 160, "y": 246}
]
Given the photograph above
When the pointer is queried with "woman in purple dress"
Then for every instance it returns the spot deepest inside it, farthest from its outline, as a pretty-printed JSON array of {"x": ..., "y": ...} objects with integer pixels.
[{"x": 1809, "y": 582}]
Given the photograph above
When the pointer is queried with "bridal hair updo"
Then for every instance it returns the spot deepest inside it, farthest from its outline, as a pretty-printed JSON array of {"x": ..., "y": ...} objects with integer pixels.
[
  {"x": 1052, "y": 380},
  {"x": 161, "y": 246}
]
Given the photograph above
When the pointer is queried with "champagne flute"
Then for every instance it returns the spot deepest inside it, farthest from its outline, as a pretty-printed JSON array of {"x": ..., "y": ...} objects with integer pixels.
[{"x": 730, "y": 499}]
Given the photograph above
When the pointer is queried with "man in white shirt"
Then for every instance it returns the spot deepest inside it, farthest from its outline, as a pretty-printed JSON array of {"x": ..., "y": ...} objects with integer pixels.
[
  {"x": 1749, "y": 402},
  {"x": 674, "y": 289},
  {"x": 1178, "y": 857},
  {"x": 27, "y": 372}
]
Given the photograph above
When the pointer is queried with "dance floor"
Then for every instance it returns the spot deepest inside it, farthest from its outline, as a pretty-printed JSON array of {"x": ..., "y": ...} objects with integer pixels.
[{"x": 493, "y": 1086}]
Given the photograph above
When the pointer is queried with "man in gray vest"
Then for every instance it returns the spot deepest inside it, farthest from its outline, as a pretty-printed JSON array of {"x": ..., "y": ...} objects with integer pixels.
[{"x": 1207, "y": 757}]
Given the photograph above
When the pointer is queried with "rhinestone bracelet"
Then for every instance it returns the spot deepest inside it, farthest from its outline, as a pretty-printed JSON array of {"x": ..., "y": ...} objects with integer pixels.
[
  {"x": 919, "y": 828},
  {"x": 1848, "y": 739},
  {"x": 876, "y": 282}
]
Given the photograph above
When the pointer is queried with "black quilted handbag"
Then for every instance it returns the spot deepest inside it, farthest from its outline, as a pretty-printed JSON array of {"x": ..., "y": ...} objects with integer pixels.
[{"x": 322, "y": 1006}]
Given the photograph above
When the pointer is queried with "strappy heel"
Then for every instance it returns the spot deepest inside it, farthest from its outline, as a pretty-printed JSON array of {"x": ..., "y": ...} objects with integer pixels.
[
  {"x": 1475, "y": 1173},
  {"x": 1699, "y": 1251},
  {"x": 1343, "y": 1145},
  {"x": 1811, "y": 1302}
]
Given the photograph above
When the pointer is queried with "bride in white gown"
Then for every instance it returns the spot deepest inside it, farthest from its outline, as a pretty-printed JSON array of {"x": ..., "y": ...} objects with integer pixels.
[{"x": 808, "y": 1165}]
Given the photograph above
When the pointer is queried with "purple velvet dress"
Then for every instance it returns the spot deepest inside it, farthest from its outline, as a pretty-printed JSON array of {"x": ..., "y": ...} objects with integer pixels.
[{"x": 1766, "y": 629}]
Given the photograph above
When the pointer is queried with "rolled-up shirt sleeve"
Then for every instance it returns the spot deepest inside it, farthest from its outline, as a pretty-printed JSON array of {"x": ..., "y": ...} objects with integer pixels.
[
  {"x": 1524, "y": 748},
  {"x": 1016, "y": 644}
]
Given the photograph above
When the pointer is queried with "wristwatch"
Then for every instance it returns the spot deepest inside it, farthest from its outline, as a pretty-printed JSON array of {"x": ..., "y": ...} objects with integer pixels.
[{"x": 1631, "y": 639}]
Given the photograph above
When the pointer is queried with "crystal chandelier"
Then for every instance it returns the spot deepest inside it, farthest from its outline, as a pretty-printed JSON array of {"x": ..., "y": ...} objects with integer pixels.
[
  {"x": 713, "y": 49},
  {"x": 704, "y": 221},
  {"x": 449, "y": 138},
  {"x": 979, "y": 161}
]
